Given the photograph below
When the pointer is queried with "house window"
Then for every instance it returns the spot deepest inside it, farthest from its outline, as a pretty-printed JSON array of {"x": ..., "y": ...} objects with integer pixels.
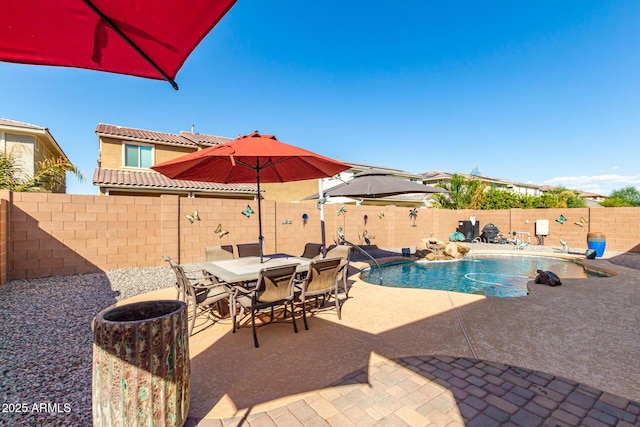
[{"x": 138, "y": 156}]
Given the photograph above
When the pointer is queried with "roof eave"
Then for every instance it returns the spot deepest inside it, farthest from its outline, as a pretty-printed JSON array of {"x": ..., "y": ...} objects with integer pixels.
[{"x": 148, "y": 188}]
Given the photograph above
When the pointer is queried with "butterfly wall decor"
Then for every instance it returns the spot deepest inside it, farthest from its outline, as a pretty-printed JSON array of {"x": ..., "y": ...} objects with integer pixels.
[
  {"x": 286, "y": 221},
  {"x": 581, "y": 223},
  {"x": 220, "y": 232},
  {"x": 561, "y": 220},
  {"x": 381, "y": 214},
  {"x": 247, "y": 212},
  {"x": 194, "y": 217},
  {"x": 342, "y": 210}
]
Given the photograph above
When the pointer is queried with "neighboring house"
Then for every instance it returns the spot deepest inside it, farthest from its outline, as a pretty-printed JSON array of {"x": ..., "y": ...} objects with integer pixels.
[
  {"x": 29, "y": 144},
  {"x": 593, "y": 199},
  {"x": 126, "y": 155},
  {"x": 436, "y": 177}
]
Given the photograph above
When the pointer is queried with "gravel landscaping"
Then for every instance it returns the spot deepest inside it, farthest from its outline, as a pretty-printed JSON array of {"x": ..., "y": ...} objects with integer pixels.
[{"x": 46, "y": 342}]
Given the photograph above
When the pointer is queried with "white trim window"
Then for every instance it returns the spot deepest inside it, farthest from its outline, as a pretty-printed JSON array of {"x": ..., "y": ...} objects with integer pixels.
[{"x": 137, "y": 156}]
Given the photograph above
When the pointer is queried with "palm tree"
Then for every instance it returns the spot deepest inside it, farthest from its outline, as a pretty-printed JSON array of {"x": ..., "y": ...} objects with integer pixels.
[
  {"x": 463, "y": 193},
  {"x": 50, "y": 174}
]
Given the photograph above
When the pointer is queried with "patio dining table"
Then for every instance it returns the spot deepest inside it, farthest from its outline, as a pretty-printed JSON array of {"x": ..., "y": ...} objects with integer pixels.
[{"x": 246, "y": 269}]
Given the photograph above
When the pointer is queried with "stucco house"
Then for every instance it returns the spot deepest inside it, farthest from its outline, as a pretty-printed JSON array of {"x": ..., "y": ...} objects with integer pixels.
[
  {"x": 29, "y": 144},
  {"x": 127, "y": 154},
  {"x": 436, "y": 177}
]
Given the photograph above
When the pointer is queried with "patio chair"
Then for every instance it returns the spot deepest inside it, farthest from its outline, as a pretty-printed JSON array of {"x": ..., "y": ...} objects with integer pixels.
[
  {"x": 342, "y": 251},
  {"x": 180, "y": 296},
  {"x": 312, "y": 250},
  {"x": 200, "y": 295},
  {"x": 275, "y": 288},
  {"x": 215, "y": 253},
  {"x": 322, "y": 280},
  {"x": 248, "y": 249}
]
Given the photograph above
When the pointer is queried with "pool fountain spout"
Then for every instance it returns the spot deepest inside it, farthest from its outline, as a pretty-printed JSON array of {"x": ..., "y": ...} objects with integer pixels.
[{"x": 367, "y": 254}]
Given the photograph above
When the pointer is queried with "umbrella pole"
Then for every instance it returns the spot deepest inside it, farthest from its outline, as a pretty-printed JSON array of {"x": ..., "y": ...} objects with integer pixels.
[
  {"x": 260, "y": 237},
  {"x": 322, "y": 230}
]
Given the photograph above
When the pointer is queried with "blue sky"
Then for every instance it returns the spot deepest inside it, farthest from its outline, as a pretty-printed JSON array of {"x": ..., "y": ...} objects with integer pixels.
[{"x": 544, "y": 92}]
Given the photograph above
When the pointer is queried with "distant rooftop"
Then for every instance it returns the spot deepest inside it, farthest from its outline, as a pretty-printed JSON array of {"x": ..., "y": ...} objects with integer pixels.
[
  {"x": 15, "y": 123},
  {"x": 32, "y": 127},
  {"x": 436, "y": 174}
]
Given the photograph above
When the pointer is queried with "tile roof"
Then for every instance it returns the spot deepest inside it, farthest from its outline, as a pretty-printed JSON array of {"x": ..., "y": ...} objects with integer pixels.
[
  {"x": 184, "y": 138},
  {"x": 144, "y": 135},
  {"x": 204, "y": 139},
  {"x": 361, "y": 167},
  {"x": 138, "y": 179}
]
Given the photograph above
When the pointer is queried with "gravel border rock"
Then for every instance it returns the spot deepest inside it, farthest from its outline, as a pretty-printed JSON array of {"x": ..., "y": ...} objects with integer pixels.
[{"x": 46, "y": 341}]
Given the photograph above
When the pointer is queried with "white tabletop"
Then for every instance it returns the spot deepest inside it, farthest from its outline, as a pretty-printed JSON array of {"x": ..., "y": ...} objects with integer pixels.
[{"x": 247, "y": 268}]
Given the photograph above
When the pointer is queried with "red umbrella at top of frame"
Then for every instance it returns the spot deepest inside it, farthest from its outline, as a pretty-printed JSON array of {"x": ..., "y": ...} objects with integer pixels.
[
  {"x": 251, "y": 158},
  {"x": 144, "y": 38}
]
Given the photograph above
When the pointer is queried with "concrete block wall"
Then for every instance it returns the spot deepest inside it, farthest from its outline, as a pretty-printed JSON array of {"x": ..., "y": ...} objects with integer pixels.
[
  {"x": 4, "y": 236},
  {"x": 63, "y": 234},
  {"x": 45, "y": 234},
  {"x": 622, "y": 228},
  {"x": 227, "y": 213}
]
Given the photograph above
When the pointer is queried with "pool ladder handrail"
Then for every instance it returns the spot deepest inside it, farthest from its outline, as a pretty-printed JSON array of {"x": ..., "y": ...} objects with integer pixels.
[
  {"x": 519, "y": 239},
  {"x": 353, "y": 245}
]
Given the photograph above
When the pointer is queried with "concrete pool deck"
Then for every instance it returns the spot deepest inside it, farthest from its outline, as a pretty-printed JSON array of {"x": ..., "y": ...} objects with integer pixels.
[{"x": 564, "y": 355}]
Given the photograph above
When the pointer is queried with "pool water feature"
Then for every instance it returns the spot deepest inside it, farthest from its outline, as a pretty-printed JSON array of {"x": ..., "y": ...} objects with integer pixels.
[{"x": 495, "y": 275}]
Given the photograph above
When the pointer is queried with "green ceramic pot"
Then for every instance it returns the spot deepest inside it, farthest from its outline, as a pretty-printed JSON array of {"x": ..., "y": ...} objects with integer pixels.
[{"x": 141, "y": 367}]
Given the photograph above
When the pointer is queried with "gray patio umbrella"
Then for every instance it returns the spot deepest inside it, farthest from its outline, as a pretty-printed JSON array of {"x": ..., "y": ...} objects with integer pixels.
[{"x": 376, "y": 183}]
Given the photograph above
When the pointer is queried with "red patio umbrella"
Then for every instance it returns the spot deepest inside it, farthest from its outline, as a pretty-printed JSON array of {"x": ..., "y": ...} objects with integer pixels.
[
  {"x": 251, "y": 158},
  {"x": 145, "y": 38}
]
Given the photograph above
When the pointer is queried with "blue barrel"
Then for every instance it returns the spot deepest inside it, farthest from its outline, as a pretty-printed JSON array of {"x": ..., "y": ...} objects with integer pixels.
[{"x": 597, "y": 241}]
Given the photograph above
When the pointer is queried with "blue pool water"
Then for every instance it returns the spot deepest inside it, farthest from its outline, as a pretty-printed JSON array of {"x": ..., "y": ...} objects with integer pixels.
[{"x": 499, "y": 276}]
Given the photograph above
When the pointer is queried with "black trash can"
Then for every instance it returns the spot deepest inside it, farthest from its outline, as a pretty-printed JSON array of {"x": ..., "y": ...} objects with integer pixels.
[{"x": 469, "y": 230}]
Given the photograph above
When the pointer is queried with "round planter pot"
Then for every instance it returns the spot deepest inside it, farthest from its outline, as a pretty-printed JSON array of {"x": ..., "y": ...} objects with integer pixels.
[
  {"x": 141, "y": 367},
  {"x": 597, "y": 241}
]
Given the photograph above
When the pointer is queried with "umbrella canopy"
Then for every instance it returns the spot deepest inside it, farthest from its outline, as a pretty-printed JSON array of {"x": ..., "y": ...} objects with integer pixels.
[
  {"x": 375, "y": 183},
  {"x": 251, "y": 158},
  {"x": 145, "y": 38}
]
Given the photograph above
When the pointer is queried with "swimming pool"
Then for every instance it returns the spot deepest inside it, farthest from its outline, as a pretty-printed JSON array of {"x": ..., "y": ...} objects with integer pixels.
[{"x": 490, "y": 275}]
